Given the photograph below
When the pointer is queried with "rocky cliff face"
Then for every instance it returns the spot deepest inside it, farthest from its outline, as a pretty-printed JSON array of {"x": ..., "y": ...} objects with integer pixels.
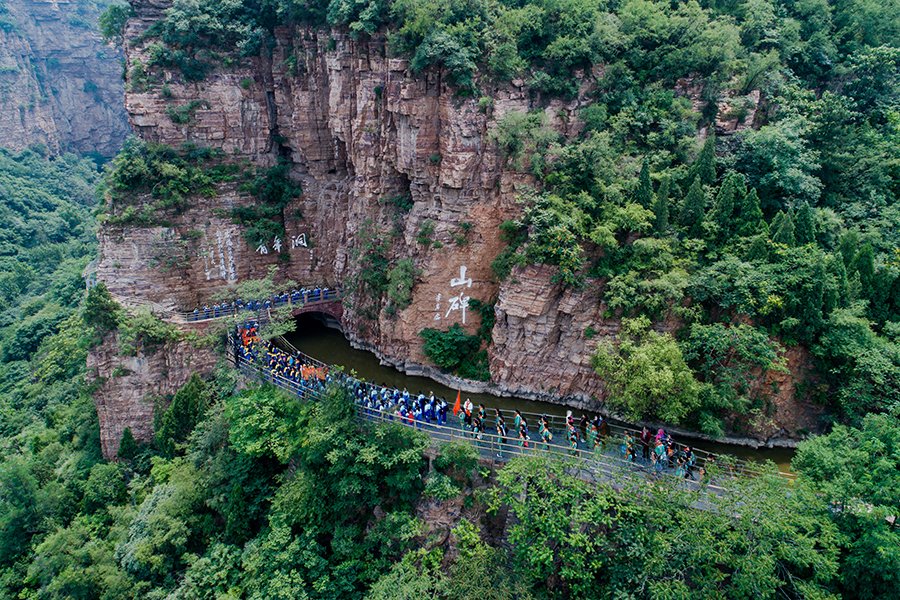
[
  {"x": 359, "y": 128},
  {"x": 133, "y": 385},
  {"x": 58, "y": 84}
]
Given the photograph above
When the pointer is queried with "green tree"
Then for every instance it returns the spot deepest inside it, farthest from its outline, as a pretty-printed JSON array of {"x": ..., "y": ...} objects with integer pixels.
[
  {"x": 783, "y": 229},
  {"x": 857, "y": 471},
  {"x": 100, "y": 310},
  {"x": 694, "y": 210},
  {"x": 646, "y": 374},
  {"x": 105, "y": 487},
  {"x": 112, "y": 23},
  {"x": 732, "y": 189},
  {"x": 750, "y": 220},
  {"x": 644, "y": 193},
  {"x": 127, "y": 446},
  {"x": 661, "y": 207},
  {"x": 179, "y": 419},
  {"x": 264, "y": 421},
  {"x": 704, "y": 168},
  {"x": 449, "y": 349},
  {"x": 864, "y": 265},
  {"x": 727, "y": 357},
  {"x": 804, "y": 226}
]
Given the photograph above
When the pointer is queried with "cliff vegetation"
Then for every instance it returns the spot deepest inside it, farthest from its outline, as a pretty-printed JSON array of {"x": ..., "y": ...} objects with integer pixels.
[{"x": 729, "y": 170}]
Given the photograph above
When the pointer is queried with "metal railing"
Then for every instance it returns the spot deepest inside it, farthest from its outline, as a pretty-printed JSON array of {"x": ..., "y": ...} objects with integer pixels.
[
  {"x": 606, "y": 462},
  {"x": 168, "y": 313}
]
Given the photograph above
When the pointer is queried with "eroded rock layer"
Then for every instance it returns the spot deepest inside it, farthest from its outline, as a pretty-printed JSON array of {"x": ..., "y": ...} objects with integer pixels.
[
  {"x": 59, "y": 85},
  {"x": 359, "y": 129}
]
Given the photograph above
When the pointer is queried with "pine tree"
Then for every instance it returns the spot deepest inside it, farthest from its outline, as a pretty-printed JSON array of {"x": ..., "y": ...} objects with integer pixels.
[
  {"x": 705, "y": 166},
  {"x": 759, "y": 249},
  {"x": 783, "y": 228},
  {"x": 644, "y": 193},
  {"x": 750, "y": 220},
  {"x": 864, "y": 265},
  {"x": 100, "y": 310},
  {"x": 128, "y": 445},
  {"x": 188, "y": 407},
  {"x": 848, "y": 248},
  {"x": 661, "y": 207},
  {"x": 694, "y": 209},
  {"x": 837, "y": 295},
  {"x": 732, "y": 189},
  {"x": 804, "y": 227}
]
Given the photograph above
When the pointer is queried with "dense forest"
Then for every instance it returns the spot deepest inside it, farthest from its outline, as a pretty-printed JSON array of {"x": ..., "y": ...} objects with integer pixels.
[{"x": 782, "y": 234}]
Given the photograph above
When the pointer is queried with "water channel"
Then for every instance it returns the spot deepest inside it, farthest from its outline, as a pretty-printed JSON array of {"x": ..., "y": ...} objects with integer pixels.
[{"x": 328, "y": 345}]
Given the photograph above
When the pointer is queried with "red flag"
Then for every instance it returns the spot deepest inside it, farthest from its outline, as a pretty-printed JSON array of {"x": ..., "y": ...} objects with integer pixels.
[{"x": 457, "y": 405}]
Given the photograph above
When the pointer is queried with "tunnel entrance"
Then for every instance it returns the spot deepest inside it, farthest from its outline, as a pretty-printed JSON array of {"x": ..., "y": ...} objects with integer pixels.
[{"x": 314, "y": 320}]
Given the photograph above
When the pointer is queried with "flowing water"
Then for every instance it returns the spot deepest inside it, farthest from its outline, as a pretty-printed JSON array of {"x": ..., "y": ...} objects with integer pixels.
[{"x": 329, "y": 346}]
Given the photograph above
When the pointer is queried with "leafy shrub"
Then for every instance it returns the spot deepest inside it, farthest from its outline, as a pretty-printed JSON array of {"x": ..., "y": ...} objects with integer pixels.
[
  {"x": 167, "y": 175},
  {"x": 455, "y": 350},
  {"x": 275, "y": 190},
  {"x": 146, "y": 330},
  {"x": 182, "y": 115},
  {"x": 100, "y": 310},
  {"x": 440, "y": 487},
  {"x": 426, "y": 232},
  {"x": 457, "y": 460},
  {"x": 401, "y": 280},
  {"x": 174, "y": 425}
]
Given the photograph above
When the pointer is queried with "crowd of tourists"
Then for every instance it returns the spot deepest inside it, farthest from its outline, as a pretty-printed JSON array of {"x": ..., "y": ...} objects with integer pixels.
[
  {"x": 277, "y": 364},
  {"x": 586, "y": 435},
  {"x": 237, "y": 305}
]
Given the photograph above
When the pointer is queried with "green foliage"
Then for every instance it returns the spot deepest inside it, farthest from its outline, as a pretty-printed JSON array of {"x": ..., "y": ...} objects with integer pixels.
[
  {"x": 525, "y": 139},
  {"x": 514, "y": 235},
  {"x": 705, "y": 167},
  {"x": 127, "y": 445},
  {"x": 167, "y": 525},
  {"x": 183, "y": 115},
  {"x": 441, "y": 48},
  {"x": 275, "y": 190},
  {"x": 100, "y": 310},
  {"x": 488, "y": 317},
  {"x": 694, "y": 210},
  {"x": 856, "y": 472},
  {"x": 646, "y": 374},
  {"x": 729, "y": 358},
  {"x": 181, "y": 417},
  {"x": 264, "y": 422},
  {"x": 112, "y": 23},
  {"x": 449, "y": 349},
  {"x": 403, "y": 203},
  {"x": 401, "y": 280},
  {"x": 168, "y": 176},
  {"x": 644, "y": 193},
  {"x": 570, "y": 537},
  {"x": 145, "y": 331},
  {"x": 369, "y": 281},
  {"x": 457, "y": 460},
  {"x": 425, "y": 234}
]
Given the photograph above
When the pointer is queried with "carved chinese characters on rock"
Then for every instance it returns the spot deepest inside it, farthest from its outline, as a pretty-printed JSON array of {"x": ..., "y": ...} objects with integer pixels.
[
  {"x": 218, "y": 258},
  {"x": 457, "y": 298},
  {"x": 277, "y": 245}
]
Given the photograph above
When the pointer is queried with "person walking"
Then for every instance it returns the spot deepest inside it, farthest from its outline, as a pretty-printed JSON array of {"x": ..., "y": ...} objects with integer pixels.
[{"x": 646, "y": 437}]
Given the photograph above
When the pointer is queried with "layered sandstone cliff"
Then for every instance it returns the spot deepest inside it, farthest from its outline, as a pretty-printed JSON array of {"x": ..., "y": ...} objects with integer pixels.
[
  {"x": 59, "y": 85},
  {"x": 358, "y": 128}
]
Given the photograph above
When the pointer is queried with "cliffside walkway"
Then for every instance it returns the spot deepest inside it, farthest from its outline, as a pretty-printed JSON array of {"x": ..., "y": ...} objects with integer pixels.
[
  {"x": 711, "y": 473},
  {"x": 325, "y": 300}
]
